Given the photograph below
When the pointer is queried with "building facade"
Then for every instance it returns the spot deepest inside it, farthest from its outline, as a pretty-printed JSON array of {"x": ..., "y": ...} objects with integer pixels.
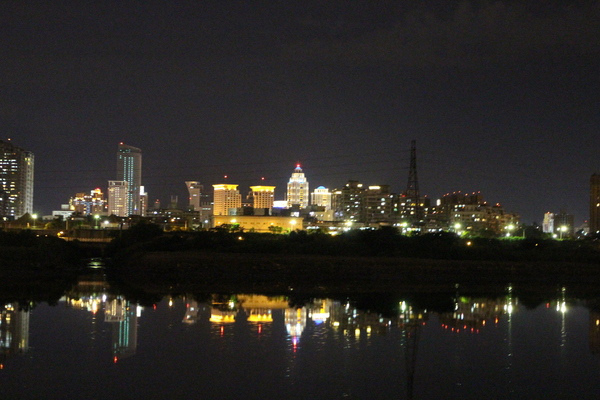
[
  {"x": 262, "y": 197},
  {"x": 118, "y": 192},
  {"x": 88, "y": 204},
  {"x": 16, "y": 180},
  {"x": 129, "y": 169},
  {"x": 226, "y": 199},
  {"x": 297, "y": 189},
  {"x": 195, "y": 194},
  {"x": 321, "y": 197}
]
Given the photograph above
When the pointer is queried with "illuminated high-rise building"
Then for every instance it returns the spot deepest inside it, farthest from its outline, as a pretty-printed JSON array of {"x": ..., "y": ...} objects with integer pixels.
[
  {"x": 88, "y": 204},
  {"x": 195, "y": 192},
  {"x": 117, "y": 198},
  {"x": 16, "y": 180},
  {"x": 226, "y": 199},
  {"x": 297, "y": 189},
  {"x": 548, "y": 224},
  {"x": 321, "y": 197},
  {"x": 263, "y": 196},
  {"x": 595, "y": 203},
  {"x": 129, "y": 169}
]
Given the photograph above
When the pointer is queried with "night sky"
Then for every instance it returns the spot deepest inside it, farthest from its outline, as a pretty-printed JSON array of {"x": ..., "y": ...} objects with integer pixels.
[{"x": 502, "y": 97}]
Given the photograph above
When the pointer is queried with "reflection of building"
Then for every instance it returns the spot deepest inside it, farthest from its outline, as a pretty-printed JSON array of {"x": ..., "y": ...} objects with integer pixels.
[
  {"x": 14, "y": 330},
  {"x": 223, "y": 309},
  {"x": 318, "y": 311},
  {"x": 16, "y": 180},
  {"x": 191, "y": 312},
  {"x": 295, "y": 322},
  {"x": 472, "y": 314},
  {"x": 260, "y": 308},
  {"x": 124, "y": 316}
]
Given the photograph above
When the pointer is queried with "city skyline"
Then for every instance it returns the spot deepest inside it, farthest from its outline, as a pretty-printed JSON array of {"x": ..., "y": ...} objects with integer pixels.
[{"x": 501, "y": 97}]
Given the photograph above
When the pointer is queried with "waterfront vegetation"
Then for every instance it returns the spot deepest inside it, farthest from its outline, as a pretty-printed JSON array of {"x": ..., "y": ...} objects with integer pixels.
[
  {"x": 145, "y": 259},
  {"x": 384, "y": 242}
]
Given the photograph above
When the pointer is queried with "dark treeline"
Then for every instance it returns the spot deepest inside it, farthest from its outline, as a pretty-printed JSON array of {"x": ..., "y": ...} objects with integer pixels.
[{"x": 385, "y": 242}]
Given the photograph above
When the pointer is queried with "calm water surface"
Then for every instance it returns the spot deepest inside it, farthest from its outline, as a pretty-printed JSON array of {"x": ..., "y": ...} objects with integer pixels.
[{"x": 100, "y": 346}]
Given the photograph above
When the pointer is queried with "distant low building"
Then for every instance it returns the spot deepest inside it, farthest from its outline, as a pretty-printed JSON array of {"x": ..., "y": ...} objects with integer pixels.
[{"x": 259, "y": 223}]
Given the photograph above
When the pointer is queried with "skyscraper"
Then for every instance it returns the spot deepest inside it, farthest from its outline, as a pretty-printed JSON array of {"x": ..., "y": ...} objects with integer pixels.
[
  {"x": 195, "y": 192},
  {"x": 595, "y": 203},
  {"x": 297, "y": 189},
  {"x": 226, "y": 198},
  {"x": 16, "y": 180},
  {"x": 129, "y": 169}
]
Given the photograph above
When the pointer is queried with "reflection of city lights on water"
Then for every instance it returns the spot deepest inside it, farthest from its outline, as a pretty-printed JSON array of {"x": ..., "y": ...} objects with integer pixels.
[{"x": 561, "y": 307}]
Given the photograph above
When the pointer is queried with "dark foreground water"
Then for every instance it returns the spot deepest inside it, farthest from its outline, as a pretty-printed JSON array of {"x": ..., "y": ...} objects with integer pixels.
[{"x": 100, "y": 346}]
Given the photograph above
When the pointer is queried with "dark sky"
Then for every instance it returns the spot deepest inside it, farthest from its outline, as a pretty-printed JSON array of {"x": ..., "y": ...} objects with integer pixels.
[{"x": 502, "y": 97}]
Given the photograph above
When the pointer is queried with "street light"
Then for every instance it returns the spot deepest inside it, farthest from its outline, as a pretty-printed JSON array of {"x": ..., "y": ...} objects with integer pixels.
[
  {"x": 96, "y": 217},
  {"x": 561, "y": 230},
  {"x": 509, "y": 229},
  {"x": 457, "y": 227},
  {"x": 34, "y": 216}
]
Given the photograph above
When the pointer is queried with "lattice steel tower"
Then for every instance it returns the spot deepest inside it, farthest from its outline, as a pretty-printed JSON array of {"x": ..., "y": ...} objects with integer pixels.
[{"x": 412, "y": 188}]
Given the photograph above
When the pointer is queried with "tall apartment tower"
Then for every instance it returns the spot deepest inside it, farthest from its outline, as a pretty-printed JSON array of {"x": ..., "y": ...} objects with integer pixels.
[
  {"x": 263, "y": 196},
  {"x": 16, "y": 180},
  {"x": 129, "y": 169},
  {"x": 226, "y": 198},
  {"x": 118, "y": 194},
  {"x": 595, "y": 203},
  {"x": 297, "y": 189},
  {"x": 195, "y": 193}
]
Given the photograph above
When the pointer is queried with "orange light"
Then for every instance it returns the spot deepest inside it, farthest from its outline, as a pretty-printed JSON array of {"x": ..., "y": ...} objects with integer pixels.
[{"x": 116, "y": 359}]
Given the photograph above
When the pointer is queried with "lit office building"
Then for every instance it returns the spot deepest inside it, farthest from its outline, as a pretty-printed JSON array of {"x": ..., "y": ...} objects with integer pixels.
[
  {"x": 297, "y": 189},
  {"x": 262, "y": 196},
  {"x": 16, "y": 180},
  {"x": 118, "y": 192},
  {"x": 129, "y": 169},
  {"x": 227, "y": 199},
  {"x": 88, "y": 204},
  {"x": 321, "y": 197}
]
